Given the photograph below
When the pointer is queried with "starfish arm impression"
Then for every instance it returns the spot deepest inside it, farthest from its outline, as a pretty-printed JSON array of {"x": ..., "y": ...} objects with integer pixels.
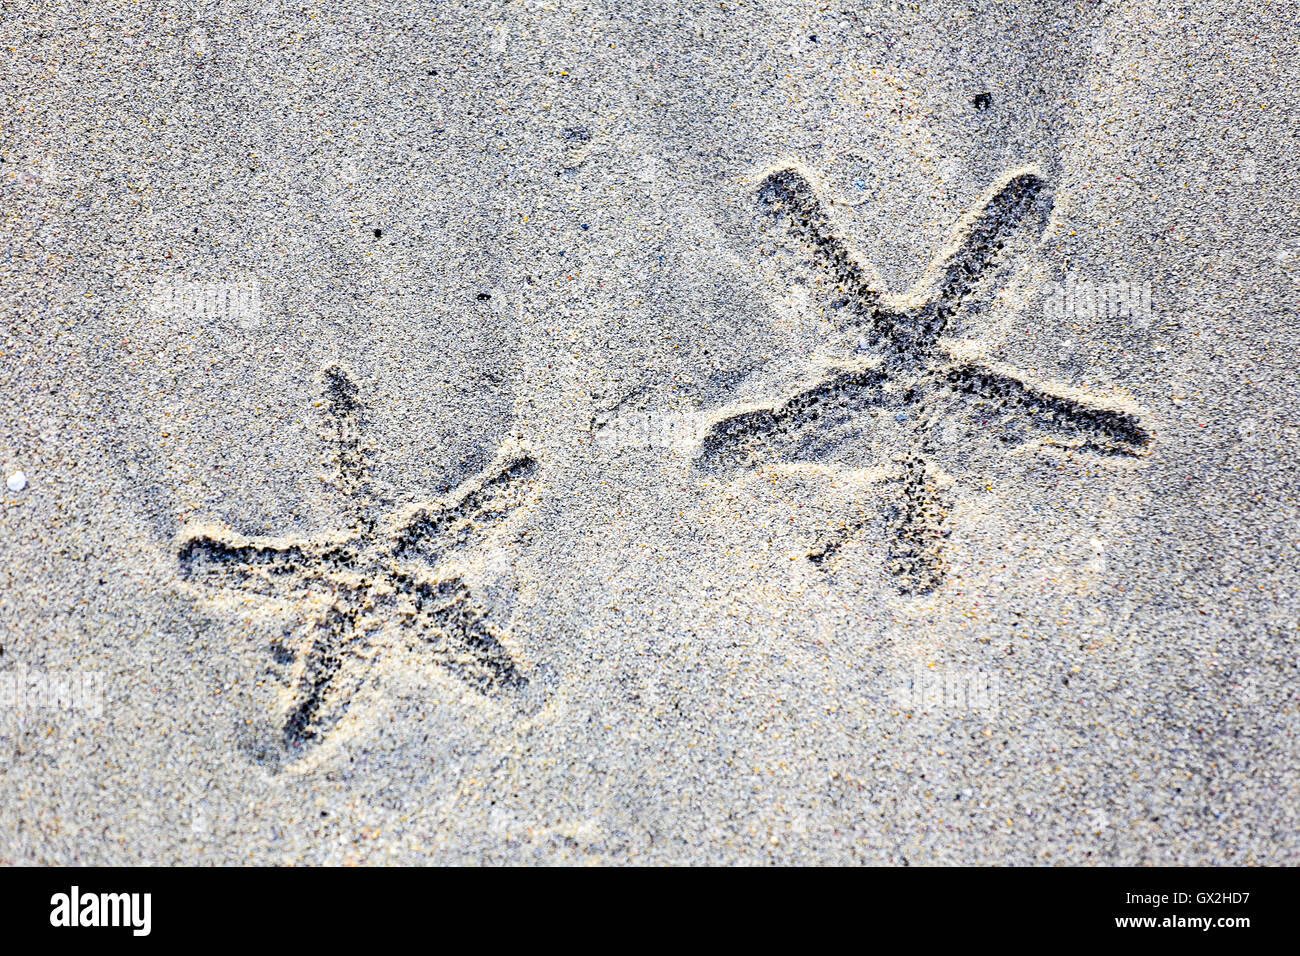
[
  {"x": 809, "y": 426},
  {"x": 461, "y": 638},
  {"x": 1021, "y": 202},
  {"x": 788, "y": 193},
  {"x": 429, "y": 532},
  {"x": 328, "y": 674},
  {"x": 216, "y": 559},
  {"x": 1063, "y": 420},
  {"x": 349, "y": 456},
  {"x": 917, "y": 526}
]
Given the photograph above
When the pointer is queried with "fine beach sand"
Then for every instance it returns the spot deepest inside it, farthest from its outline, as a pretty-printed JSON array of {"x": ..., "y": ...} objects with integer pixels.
[{"x": 603, "y": 432}]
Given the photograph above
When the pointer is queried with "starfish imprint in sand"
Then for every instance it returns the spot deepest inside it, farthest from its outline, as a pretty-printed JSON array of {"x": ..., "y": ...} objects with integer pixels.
[
  {"x": 354, "y": 587},
  {"x": 907, "y": 371}
]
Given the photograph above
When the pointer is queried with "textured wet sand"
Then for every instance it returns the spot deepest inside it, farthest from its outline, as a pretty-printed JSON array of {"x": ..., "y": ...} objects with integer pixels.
[{"x": 447, "y": 442}]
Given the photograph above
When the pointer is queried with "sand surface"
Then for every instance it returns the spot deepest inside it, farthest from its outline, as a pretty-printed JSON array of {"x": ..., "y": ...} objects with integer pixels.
[{"x": 623, "y": 432}]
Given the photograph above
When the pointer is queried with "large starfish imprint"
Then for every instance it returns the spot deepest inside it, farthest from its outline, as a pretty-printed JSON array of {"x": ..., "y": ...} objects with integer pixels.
[
  {"x": 906, "y": 369},
  {"x": 355, "y": 585}
]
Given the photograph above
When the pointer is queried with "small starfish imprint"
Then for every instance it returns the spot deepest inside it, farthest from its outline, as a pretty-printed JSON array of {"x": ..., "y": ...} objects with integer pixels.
[
  {"x": 906, "y": 367},
  {"x": 359, "y": 583}
]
